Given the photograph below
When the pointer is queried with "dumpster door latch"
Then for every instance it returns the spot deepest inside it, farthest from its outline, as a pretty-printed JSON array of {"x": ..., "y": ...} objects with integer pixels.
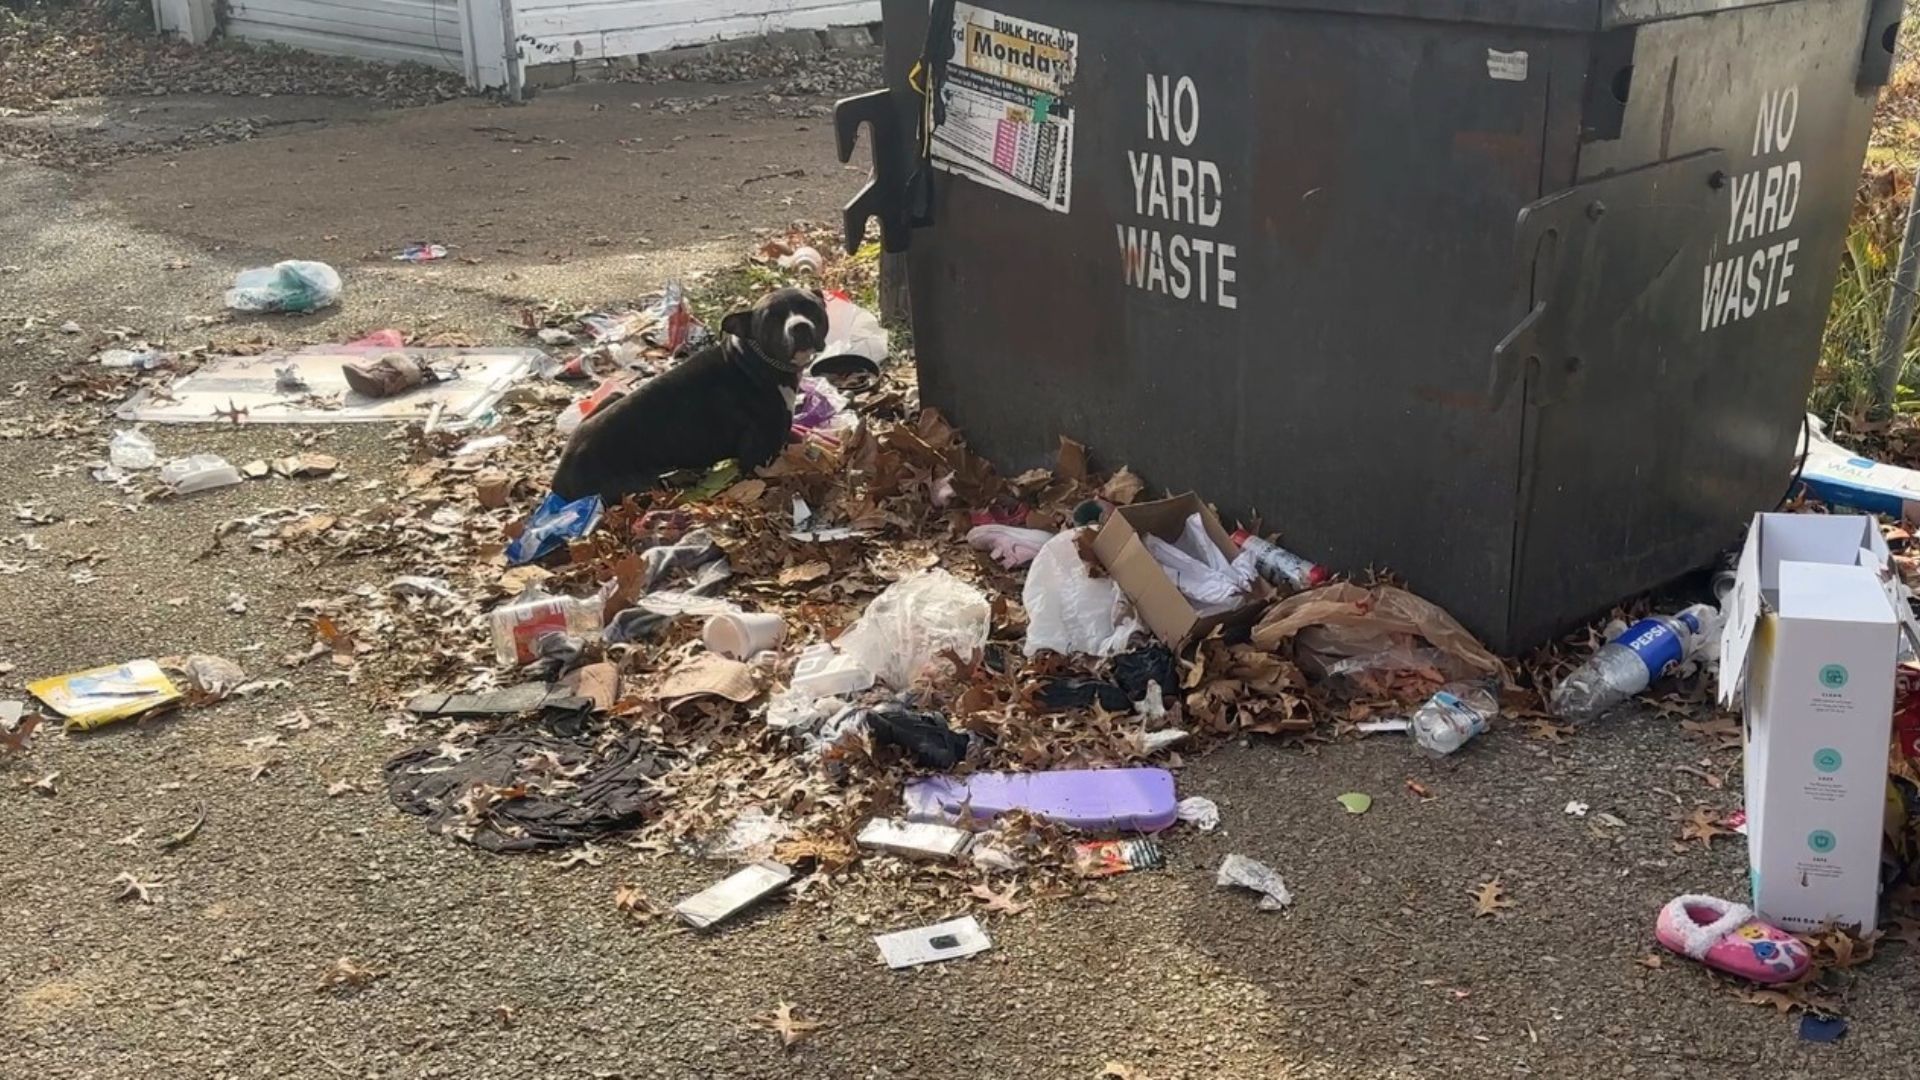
[
  {"x": 886, "y": 195},
  {"x": 1605, "y": 265}
]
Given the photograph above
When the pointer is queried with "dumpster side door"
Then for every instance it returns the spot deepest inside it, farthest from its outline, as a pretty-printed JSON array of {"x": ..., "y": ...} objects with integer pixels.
[{"x": 1692, "y": 300}]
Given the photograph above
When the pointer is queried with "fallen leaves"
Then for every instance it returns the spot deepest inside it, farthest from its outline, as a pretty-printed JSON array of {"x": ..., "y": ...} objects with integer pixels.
[
  {"x": 1700, "y": 825},
  {"x": 45, "y": 784},
  {"x": 1001, "y": 903},
  {"x": 1356, "y": 802},
  {"x": 192, "y": 830},
  {"x": 345, "y": 974},
  {"x": 132, "y": 888},
  {"x": 1651, "y": 961},
  {"x": 805, "y": 573},
  {"x": 1489, "y": 898},
  {"x": 787, "y": 1023},
  {"x": 584, "y": 855},
  {"x": 631, "y": 899}
]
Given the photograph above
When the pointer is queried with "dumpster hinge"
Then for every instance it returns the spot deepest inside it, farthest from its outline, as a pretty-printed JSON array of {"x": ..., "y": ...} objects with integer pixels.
[
  {"x": 886, "y": 194},
  {"x": 1876, "y": 52}
]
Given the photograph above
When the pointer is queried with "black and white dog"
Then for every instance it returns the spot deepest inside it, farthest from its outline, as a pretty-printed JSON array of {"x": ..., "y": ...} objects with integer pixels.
[{"x": 732, "y": 399}]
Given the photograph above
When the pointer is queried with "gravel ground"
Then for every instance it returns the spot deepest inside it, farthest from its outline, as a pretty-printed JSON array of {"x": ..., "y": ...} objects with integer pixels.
[{"x": 486, "y": 966}]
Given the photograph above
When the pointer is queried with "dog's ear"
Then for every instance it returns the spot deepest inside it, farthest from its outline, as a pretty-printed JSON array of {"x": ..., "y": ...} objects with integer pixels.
[
  {"x": 817, "y": 294},
  {"x": 739, "y": 324}
]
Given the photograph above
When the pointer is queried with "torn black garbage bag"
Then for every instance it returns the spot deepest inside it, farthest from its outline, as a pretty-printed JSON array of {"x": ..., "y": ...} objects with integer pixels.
[
  {"x": 526, "y": 790},
  {"x": 924, "y": 736}
]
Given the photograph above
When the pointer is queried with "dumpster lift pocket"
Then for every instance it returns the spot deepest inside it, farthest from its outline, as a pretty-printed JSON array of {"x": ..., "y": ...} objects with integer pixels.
[
  {"x": 1591, "y": 255},
  {"x": 886, "y": 195}
]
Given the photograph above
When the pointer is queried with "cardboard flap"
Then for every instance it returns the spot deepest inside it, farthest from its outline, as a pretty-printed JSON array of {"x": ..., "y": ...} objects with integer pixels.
[
  {"x": 1826, "y": 592},
  {"x": 1742, "y": 614}
]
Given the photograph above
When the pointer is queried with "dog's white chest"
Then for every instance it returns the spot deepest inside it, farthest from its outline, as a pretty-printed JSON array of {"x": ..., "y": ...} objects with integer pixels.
[{"x": 791, "y": 395}]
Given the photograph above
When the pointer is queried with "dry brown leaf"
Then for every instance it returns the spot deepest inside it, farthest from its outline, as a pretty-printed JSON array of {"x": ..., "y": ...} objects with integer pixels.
[
  {"x": 1072, "y": 464},
  {"x": 1784, "y": 1003},
  {"x": 1701, "y": 825},
  {"x": 1122, "y": 488},
  {"x": 44, "y": 785},
  {"x": 15, "y": 740},
  {"x": 132, "y": 888},
  {"x": 1419, "y": 790},
  {"x": 342, "y": 787},
  {"x": 1651, "y": 961},
  {"x": 805, "y": 573},
  {"x": 1002, "y": 902},
  {"x": 1489, "y": 897},
  {"x": 788, "y": 1024},
  {"x": 345, "y": 974},
  {"x": 630, "y": 899},
  {"x": 584, "y": 855}
]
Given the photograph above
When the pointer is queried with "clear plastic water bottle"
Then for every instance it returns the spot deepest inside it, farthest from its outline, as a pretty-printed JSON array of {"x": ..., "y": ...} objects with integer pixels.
[
  {"x": 1631, "y": 662},
  {"x": 1280, "y": 566},
  {"x": 1453, "y": 715}
]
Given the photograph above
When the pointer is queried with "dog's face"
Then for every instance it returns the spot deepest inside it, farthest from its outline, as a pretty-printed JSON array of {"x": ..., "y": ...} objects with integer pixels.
[{"x": 787, "y": 325}]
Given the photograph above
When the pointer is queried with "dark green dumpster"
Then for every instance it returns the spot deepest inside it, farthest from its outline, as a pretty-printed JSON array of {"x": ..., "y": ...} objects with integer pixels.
[{"x": 1519, "y": 299}]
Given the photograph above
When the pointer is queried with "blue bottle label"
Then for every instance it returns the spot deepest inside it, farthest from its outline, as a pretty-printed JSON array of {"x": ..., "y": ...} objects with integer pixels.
[{"x": 1656, "y": 645}]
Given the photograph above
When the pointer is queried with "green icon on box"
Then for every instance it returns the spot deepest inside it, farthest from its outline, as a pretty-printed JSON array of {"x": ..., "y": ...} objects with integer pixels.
[
  {"x": 1826, "y": 759},
  {"x": 1833, "y": 676},
  {"x": 1821, "y": 841}
]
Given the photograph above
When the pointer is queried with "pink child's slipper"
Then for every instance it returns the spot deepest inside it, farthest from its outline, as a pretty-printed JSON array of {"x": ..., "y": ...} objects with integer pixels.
[{"x": 1727, "y": 937}]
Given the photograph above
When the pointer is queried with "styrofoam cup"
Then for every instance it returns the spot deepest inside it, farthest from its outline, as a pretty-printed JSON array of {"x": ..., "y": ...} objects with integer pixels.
[{"x": 740, "y": 634}]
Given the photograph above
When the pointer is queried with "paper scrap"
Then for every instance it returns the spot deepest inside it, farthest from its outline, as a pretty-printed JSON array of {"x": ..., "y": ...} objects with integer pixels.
[
  {"x": 708, "y": 676},
  {"x": 1248, "y": 874},
  {"x": 942, "y": 941}
]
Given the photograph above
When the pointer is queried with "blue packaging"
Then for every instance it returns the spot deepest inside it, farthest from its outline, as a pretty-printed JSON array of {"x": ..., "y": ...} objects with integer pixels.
[{"x": 554, "y": 522}]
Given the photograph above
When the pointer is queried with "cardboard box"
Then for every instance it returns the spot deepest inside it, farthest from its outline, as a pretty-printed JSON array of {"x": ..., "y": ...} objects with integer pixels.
[
  {"x": 1166, "y": 611},
  {"x": 1811, "y": 637}
]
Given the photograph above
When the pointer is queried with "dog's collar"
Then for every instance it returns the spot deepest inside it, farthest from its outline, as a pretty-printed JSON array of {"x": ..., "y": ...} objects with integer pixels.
[{"x": 784, "y": 367}]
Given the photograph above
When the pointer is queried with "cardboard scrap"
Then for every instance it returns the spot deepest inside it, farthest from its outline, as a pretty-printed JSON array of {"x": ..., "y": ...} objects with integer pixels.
[
  {"x": 1121, "y": 548},
  {"x": 709, "y": 675},
  {"x": 738, "y": 891}
]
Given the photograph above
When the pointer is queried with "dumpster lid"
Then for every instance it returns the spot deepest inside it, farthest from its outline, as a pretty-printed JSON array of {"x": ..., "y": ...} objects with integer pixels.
[{"x": 1529, "y": 14}]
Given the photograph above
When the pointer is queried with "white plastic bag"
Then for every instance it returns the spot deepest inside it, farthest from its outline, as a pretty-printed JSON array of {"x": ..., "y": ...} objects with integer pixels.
[
  {"x": 853, "y": 330},
  {"x": 1071, "y": 611},
  {"x": 1200, "y": 571},
  {"x": 906, "y": 628},
  {"x": 129, "y": 449}
]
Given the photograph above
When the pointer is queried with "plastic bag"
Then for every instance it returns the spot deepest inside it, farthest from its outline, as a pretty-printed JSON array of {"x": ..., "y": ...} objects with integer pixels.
[
  {"x": 852, "y": 331},
  {"x": 554, "y": 522},
  {"x": 1340, "y": 622},
  {"x": 1199, "y": 569},
  {"x": 198, "y": 472},
  {"x": 906, "y": 628},
  {"x": 1068, "y": 609},
  {"x": 296, "y": 285},
  {"x": 1010, "y": 545},
  {"x": 131, "y": 450}
]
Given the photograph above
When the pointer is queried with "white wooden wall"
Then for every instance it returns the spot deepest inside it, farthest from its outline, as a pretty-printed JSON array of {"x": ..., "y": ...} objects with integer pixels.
[
  {"x": 551, "y": 31},
  {"x": 426, "y": 31}
]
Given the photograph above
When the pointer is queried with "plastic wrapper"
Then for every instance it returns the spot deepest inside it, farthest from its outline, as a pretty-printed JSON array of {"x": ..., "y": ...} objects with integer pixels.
[
  {"x": 296, "y": 285},
  {"x": 904, "y": 631},
  {"x": 1068, "y": 609},
  {"x": 555, "y": 521},
  {"x": 1248, "y": 874},
  {"x": 131, "y": 450},
  {"x": 1010, "y": 545},
  {"x": 1200, "y": 571},
  {"x": 1381, "y": 627},
  {"x": 751, "y": 837},
  {"x": 199, "y": 472}
]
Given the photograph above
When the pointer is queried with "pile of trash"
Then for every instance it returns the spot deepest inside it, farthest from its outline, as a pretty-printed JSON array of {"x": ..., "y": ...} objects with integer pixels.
[{"x": 877, "y": 652}]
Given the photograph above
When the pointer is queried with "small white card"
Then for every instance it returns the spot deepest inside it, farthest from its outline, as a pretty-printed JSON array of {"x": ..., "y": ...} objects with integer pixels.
[{"x": 941, "y": 941}]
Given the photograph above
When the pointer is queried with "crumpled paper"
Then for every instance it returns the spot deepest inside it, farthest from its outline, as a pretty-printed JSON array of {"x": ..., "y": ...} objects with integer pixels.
[{"x": 1247, "y": 874}]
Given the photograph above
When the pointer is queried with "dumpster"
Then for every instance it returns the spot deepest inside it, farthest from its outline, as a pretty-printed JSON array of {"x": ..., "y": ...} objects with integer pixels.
[{"x": 1520, "y": 299}]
